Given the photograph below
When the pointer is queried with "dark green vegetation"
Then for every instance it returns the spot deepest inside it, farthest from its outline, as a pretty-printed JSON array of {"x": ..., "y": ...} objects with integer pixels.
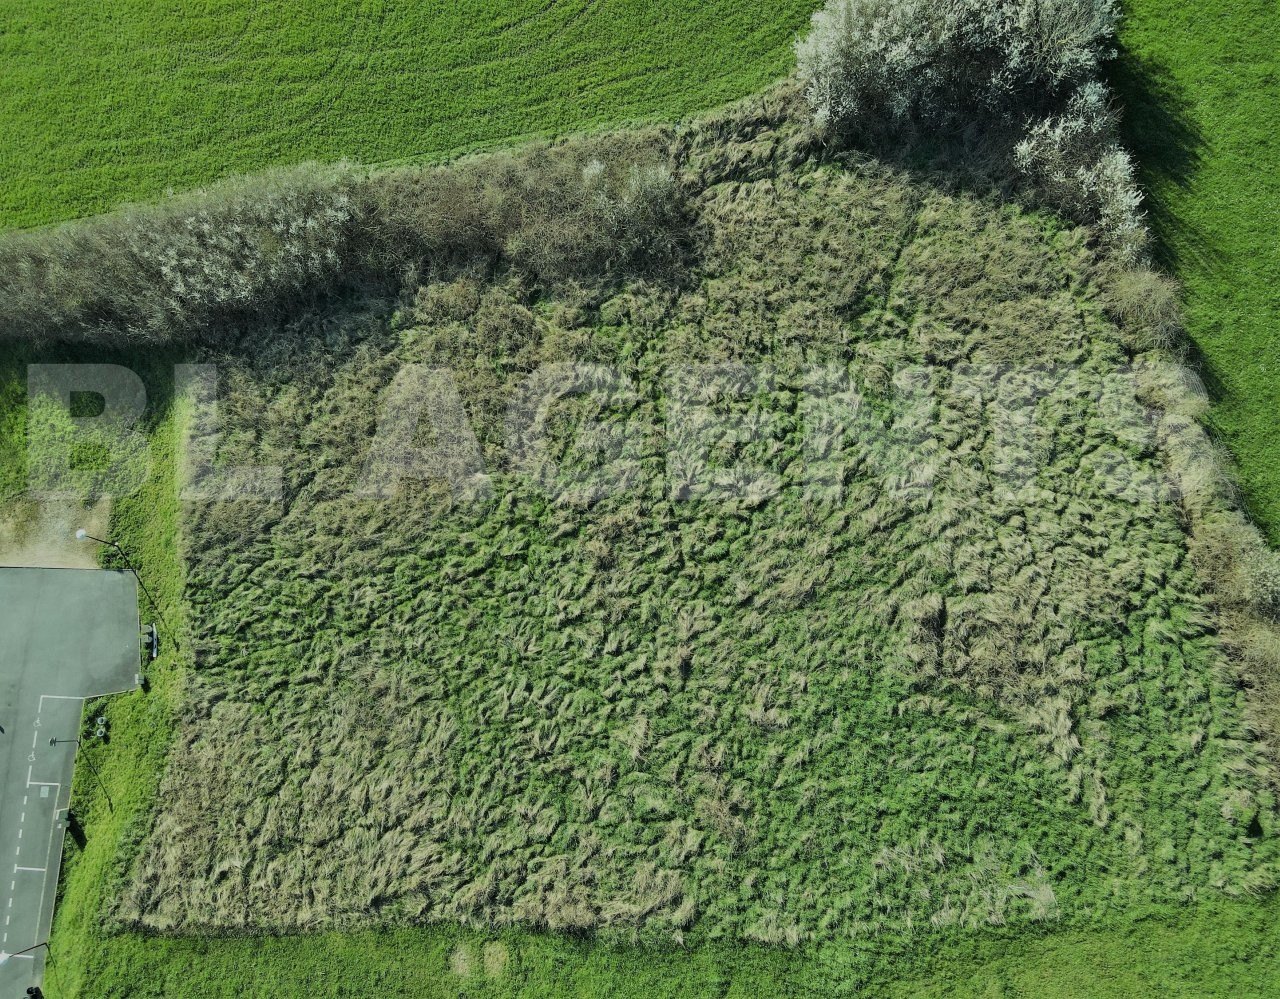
[
  {"x": 976, "y": 687},
  {"x": 139, "y": 98},
  {"x": 1226, "y": 950},
  {"x": 1209, "y": 948},
  {"x": 1201, "y": 89}
]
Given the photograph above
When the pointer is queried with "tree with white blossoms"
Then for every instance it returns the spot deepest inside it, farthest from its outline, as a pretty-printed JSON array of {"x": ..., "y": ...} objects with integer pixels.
[
  {"x": 1075, "y": 160},
  {"x": 875, "y": 62},
  {"x": 872, "y": 65}
]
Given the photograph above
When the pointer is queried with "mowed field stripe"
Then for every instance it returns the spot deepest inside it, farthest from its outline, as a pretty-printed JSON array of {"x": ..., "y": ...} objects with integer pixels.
[{"x": 136, "y": 101}]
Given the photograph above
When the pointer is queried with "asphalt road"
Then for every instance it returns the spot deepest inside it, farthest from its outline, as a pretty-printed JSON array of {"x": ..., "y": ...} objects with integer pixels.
[{"x": 65, "y": 635}]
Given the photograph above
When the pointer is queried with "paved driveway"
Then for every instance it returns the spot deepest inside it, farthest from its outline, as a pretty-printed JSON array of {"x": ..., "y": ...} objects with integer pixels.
[{"x": 65, "y": 635}]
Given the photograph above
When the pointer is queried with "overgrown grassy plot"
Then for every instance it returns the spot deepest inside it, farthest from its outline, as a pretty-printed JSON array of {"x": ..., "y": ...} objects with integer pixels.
[
  {"x": 117, "y": 101},
  {"x": 773, "y": 715}
]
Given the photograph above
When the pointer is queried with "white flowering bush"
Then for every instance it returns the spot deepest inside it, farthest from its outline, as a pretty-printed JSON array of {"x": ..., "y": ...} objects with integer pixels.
[
  {"x": 1075, "y": 161},
  {"x": 868, "y": 65},
  {"x": 871, "y": 62},
  {"x": 200, "y": 266}
]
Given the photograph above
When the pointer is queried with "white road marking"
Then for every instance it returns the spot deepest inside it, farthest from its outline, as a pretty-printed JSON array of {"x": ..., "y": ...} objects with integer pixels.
[{"x": 54, "y": 829}]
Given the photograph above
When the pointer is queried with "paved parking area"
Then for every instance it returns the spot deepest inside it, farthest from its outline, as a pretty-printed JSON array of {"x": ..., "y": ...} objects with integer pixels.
[{"x": 65, "y": 635}]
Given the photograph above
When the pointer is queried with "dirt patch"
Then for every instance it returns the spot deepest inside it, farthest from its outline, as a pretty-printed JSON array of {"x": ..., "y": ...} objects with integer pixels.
[{"x": 43, "y": 533}]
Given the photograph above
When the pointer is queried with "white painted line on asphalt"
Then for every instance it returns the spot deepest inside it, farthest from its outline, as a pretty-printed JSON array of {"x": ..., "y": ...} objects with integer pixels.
[{"x": 39, "y": 870}]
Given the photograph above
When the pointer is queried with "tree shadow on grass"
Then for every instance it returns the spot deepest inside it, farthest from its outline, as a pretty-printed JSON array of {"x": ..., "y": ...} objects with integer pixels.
[
  {"x": 1166, "y": 143},
  {"x": 1168, "y": 147}
]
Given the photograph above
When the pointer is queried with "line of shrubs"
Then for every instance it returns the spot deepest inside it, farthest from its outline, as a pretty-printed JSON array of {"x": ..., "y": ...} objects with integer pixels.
[{"x": 199, "y": 266}]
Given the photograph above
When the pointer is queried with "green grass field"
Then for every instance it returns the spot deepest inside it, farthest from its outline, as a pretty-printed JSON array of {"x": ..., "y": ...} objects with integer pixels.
[
  {"x": 182, "y": 104},
  {"x": 935, "y": 266},
  {"x": 1201, "y": 90},
  {"x": 106, "y": 102}
]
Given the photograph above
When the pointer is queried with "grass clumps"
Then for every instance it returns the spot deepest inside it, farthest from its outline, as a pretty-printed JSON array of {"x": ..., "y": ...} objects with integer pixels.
[
  {"x": 1147, "y": 307},
  {"x": 913, "y": 647}
]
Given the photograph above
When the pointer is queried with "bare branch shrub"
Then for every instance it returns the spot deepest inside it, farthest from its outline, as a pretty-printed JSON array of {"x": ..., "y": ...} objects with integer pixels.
[{"x": 559, "y": 212}]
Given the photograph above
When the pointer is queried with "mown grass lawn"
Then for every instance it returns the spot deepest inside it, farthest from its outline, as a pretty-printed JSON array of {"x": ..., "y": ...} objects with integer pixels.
[
  {"x": 1201, "y": 89},
  {"x": 106, "y": 101}
]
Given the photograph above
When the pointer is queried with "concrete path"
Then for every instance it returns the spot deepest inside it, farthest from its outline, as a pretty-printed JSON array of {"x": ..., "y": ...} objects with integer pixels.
[{"x": 65, "y": 635}]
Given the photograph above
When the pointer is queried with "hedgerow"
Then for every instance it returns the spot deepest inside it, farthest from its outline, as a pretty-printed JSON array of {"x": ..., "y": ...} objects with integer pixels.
[
  {"x": 202, "y": 266},
  {"x": 180, "y": 269}
]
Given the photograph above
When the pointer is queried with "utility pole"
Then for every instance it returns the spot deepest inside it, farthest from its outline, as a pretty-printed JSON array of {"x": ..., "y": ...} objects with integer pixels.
[{"x": 97, "y": 776}]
